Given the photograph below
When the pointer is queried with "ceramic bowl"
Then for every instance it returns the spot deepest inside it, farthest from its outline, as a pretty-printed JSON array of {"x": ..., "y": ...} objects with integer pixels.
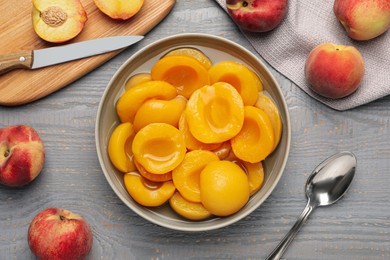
[{"x": 217, "y": 49}]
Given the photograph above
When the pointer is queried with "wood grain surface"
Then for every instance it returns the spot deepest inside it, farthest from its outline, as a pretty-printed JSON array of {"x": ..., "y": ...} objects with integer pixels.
[
  {"x": 355, "y": 228},
  {"x": 16, "y": 33}
]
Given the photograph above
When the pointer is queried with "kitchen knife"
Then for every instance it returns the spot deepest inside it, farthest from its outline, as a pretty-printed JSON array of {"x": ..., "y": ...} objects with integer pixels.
[{"x": 45, "y": 57}]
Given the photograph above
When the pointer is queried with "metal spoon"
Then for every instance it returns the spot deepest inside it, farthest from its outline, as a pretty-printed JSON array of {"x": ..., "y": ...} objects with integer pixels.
[{"x": 326, "y": 185}]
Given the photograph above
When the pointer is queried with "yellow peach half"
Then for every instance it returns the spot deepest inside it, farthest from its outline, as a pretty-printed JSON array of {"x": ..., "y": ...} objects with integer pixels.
[
  {"x": 194, "y": 53},
  {"x": 160, "y": 111},
  {"x": 186, "y": 175},
  {"x": 151, "y": 176},
  {"x": 215, "y": 113},
  {"x": 137, "y": 79},
  {"x": 239, "y": 76},
  {"x": 159, "y": 147},
  {"x": 119, "y": 147},
  {"x": 129, "y": 103},
  {"x": 191, "y": 142},
  {"x": 58, "y": 21},
  {"x": 223, "y": 150},
  {"x": 148, "y": 193},
  {"x": 224, "y": 188},
  {"x": 231, "y": 156},
  {"x": 119, "y": 9},
  {"x": 269, "y": 107},
  {"x": 184, "y": 72},
  {"x": 255, "y": 172},
  {"x": 188, "y": 209},
  {"x": 256, "y": 138}
]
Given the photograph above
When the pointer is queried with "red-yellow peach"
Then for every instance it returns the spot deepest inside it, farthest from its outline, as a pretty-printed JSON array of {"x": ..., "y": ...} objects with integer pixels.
[
  {"x": 22, "y": 155},
  {"x": 334, "y": 71},
  {"x": 57, "y": 233},
  {"x": 257, "y": 15},
  {"x": 363, "y": 19}
]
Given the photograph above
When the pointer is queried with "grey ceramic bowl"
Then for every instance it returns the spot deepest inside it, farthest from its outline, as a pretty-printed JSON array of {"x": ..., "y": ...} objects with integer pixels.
[{"x": 217, "y": 49}]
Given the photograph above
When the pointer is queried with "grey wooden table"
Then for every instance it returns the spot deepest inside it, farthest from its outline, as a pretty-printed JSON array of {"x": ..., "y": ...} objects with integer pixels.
[{"x": 357, "y": 227}]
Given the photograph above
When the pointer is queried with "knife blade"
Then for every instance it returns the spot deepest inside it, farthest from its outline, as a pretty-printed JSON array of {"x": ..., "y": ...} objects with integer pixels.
[{"x": 35, "y": 59}]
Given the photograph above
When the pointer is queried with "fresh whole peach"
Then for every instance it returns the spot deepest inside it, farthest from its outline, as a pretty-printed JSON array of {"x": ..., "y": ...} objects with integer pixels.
[
  {"x": 22, "y": 155},
  {"x": 58, "y": 21},
  {"x": 334, "y": 71},
  {"x": 257, "y": 15},
  {"x": 59, "y": 234},
  {"x": 363, "y": 19}
]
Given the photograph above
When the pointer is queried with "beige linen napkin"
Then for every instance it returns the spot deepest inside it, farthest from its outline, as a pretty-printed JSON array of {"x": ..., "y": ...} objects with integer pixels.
[{"x": 308, "y": 24}]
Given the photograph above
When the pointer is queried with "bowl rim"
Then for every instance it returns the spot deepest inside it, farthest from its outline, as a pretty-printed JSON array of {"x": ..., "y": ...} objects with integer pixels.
[{"x": 226, "y": 220}]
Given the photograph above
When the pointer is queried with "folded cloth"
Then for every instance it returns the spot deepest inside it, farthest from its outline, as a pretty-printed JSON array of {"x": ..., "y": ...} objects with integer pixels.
[{"x": 308, "y": 24}]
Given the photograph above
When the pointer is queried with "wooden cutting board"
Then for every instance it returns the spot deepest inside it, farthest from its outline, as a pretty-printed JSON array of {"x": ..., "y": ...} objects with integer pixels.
[{"x": 16, "y": 33}]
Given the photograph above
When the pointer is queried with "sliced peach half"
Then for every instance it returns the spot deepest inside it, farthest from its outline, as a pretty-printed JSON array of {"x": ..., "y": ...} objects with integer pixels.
[
  {"x": 159, "y": 147},
  {"x": 224, "y": 188},
  {"x": 194, "y": 53},
  {"x": 256, "y": 139},
  {"x": 119, "y": 9},
  {"x": 137, "y": 79},
  {"x": 186, "y": 175},
  {"x": 265, "y": 103},
  {"x": 231, "y": 156},
  {"x": 151, "y": 176},
  {"x": 58, "y": 21},
  {"x": 129, "y": 103},
  {"x": 160, "y": 111},
  {"x": 239, "y": 76},
  {"x": 223, "y": 151},
  {"x": 184, "y": 72},
  {"x": 148, "y": 193},
  {"x": 191, "y": 142},
  {"x": 119, "y": 147},
  {"x": 189, "y": 210},
  {"x": 215, "y": 113},
  {"x": 255, "y": 172}
]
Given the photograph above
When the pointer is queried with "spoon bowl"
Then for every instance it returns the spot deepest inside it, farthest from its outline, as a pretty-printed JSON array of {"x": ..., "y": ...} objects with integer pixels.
[
  {"x": 331, "y": 179},
  {"x": 326, "y": 185}
]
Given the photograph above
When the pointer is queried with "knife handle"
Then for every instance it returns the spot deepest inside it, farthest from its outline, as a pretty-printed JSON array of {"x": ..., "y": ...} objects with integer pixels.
[{"x": 16, "y": 60}]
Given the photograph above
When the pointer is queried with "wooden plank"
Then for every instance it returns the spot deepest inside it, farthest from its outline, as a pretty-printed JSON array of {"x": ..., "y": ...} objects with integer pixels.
[{"x": 16, "y": 31}]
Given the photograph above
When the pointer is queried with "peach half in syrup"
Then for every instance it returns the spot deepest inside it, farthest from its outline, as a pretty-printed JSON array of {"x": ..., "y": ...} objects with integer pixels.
[
  {"x": 184, "y": 72},
  {"x": 240, "y": 77},
  {"x": 129, "y": 103},
  {"x": 159, "y": 147},
  {"x": 215, "y": 113},
  {"x": 255, "y": 141},
  {"x": 148, "y": 193}
]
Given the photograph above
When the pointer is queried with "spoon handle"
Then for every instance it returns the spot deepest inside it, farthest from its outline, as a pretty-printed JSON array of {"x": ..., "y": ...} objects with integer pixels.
[{"x": 283, "y": 245}]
